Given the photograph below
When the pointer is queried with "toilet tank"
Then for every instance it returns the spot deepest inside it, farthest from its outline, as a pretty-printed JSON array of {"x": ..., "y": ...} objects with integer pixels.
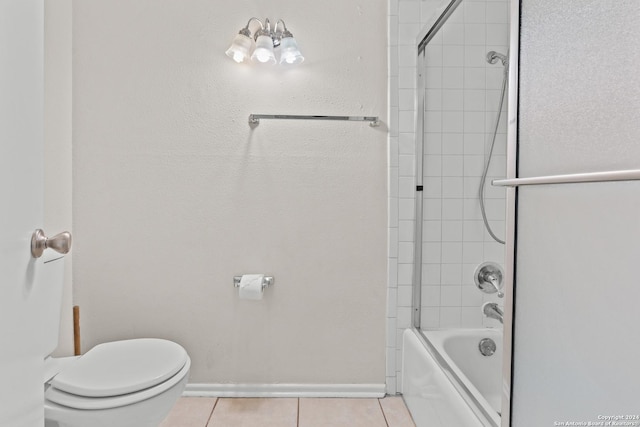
[{"x": 47, "y": 295}]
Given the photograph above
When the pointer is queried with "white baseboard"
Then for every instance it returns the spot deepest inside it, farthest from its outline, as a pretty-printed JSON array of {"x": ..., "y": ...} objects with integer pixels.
[{"x": 285, "y": 390}]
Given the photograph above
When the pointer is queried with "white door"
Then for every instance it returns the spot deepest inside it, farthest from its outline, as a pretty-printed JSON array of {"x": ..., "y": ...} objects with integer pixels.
[
  {"x": 577, "y": 287},
  {"x": 21, "y": 211}
]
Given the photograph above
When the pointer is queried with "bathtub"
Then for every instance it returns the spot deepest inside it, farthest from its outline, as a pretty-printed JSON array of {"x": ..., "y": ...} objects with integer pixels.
[{"x": 446, "y": 381}]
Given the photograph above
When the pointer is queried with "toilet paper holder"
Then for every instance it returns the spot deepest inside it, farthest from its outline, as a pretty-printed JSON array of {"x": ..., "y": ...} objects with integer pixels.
[{"x": 266, "y": 281}]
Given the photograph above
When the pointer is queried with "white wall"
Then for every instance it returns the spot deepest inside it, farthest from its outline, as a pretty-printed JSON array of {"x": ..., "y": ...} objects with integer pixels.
[
  {"x": 174, "y": 194},
  {"x": 57, "y": 144}
]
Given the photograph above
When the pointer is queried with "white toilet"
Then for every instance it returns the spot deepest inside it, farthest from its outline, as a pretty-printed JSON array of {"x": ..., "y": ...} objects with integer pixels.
[{"x": 131, "y": 383}]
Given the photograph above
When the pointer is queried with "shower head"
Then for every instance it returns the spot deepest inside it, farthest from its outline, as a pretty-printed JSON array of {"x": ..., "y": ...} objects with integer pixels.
[{"x": 493, "y": 57}]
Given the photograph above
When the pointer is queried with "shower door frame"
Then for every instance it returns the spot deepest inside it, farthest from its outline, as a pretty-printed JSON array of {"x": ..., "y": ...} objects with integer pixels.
[
  {"x": 423, "y": 40},
  {"x": 511, "y": 192}
]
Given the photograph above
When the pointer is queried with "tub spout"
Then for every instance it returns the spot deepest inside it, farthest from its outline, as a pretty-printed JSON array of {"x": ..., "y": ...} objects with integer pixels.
[{"x": 491, "y": 310}]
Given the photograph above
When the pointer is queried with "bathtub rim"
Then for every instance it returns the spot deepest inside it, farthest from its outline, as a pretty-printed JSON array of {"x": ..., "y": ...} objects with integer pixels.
[{"x": 452, "y": 375}]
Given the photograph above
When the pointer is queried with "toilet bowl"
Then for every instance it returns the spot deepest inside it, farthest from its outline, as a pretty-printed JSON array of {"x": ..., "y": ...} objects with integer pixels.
[{"x": 132, "y": 383}]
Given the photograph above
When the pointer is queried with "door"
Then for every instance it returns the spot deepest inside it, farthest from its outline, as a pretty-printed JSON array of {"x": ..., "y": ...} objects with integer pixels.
[
  {"x": 21, "y": 195},
  {"x": 577, "y": 294}
]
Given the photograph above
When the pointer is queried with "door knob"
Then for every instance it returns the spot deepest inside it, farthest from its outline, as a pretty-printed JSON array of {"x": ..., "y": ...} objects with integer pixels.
[{"x": 60, "y": 243}]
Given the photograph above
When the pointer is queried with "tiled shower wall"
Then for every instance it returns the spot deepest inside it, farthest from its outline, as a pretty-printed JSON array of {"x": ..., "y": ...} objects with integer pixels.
[{"x": 454, "y": 240}]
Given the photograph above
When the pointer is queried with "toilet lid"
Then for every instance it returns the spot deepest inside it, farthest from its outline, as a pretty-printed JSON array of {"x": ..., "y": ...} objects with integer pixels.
[{"x": 121, "y": 367}]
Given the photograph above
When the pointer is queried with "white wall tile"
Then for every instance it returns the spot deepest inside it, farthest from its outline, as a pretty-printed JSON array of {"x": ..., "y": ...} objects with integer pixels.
[
  {"x": 407, "y": 165},
  {"x": 452, "y": 166},
  {"x": 450, "y": 296},
  {"x": 471, "y": 317},
  {"x": 406, "y": 208},
  {"x": 454, "y": 121},
  {"x": 432, "y": 208},
  {"x": 453, "y": 143},
  {"x": 431, "y": 272},
  {"x": 474, "y": 122},
  {"x": 450, "y": 274},
  {"x": 430, "y": 317},
  {"x": 498, "y": 12},
  {"x": 405, "y": 253},
  {"x": 430, "y": 296},
  {"x": 474, "y": 12},
  {"x": 406, "y": 121},
  {"x": 475, "y": 77},
  {"x": 392, "y": 271},
  {"x": 406, "y": 99},
  {"x": 474, "y": 143},
  {"x": 453, "y": 55},
  {"x": 432, "y": 254},
  {"x": 407, "y": 55},
  {"x": 473, "y": 231},
  {"x": 406, "y": 187},
  {"x": 405, "y": 231},
  {"x": 453, "y": 209},
  {"x": 450, "y": 317},
  {"x": 451, "y": 252},
  {"x": 474, "y": 34},
  {"x": 408, "y": 11},
  {"x": 497, "y": 33},
  {"x": 407, "y": 78},
  {"x": 452, "y": 188},
  {"x": 405, "y": 293},
  {"x": 474, "y": 100},
  {"x": 432, "y": 189},
  {"x": 471, "y": 296},
  {"x": 433, "y": 77},
  {"x": 472, "y": 252},
  {"x": 453, "y": 100},
  {"x": 453, "y": 34},
  {"x": 405, "y": 274},
  {"x": 432, "y": 231},
  {"x": 407, "y": 143},
  {"x": 452, "y": 231}
]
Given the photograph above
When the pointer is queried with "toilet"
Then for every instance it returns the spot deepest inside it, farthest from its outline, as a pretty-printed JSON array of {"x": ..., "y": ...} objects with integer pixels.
[{"x": 129, "y": 383}]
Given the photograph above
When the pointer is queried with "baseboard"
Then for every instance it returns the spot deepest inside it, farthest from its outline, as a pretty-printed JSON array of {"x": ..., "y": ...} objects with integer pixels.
[{"x": 285, "y": 390}]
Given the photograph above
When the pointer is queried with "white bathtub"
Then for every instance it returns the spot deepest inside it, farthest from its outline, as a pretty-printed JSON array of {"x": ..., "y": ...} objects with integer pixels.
[{"x": 457, "y": 386}]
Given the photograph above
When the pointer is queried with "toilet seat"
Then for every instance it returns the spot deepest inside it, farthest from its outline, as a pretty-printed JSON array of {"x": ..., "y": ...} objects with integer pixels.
[{"x": 119, "y": 373}]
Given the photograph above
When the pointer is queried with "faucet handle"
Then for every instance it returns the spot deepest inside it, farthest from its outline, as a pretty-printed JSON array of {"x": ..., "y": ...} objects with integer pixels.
[{"x": 488, "y": 278}]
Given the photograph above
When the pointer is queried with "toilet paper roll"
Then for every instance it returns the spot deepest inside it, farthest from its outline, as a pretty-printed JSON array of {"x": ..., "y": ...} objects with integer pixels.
[{"x": 251, "y": 286}]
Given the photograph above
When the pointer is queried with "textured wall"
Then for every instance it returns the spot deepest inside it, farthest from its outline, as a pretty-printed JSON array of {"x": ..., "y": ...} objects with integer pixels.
[{"x": 174, "y": 194}]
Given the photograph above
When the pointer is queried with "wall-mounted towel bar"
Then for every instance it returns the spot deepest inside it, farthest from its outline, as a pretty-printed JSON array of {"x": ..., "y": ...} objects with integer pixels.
[
  {"x": 254, "y": 119},
  {"x": 624, "y": 175}
]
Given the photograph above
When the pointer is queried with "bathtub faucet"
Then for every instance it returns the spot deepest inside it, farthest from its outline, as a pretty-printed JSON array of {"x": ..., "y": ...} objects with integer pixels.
[{"x": 491, "y": 310}]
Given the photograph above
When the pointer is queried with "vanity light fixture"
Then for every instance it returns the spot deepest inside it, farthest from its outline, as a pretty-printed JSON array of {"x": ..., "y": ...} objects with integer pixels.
[{"x": 265, "y": 44}]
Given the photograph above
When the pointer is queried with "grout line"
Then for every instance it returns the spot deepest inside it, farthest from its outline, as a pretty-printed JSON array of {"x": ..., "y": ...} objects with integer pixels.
[
  {"x": 212, "y": 409},
  {"x": 383, "y": 414},
  {"x": 298, "y": 414}
]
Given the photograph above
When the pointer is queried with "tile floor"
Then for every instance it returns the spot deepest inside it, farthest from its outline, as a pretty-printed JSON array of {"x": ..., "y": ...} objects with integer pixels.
[{"x": 288, "y": 412}]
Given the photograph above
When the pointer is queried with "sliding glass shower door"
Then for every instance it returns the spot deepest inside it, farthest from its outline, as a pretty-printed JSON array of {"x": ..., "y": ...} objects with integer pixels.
[{"x": 461, "y": 77}]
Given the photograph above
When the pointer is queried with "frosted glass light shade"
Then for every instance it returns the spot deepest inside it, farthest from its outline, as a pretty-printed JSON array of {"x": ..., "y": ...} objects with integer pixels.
[
  {"x": 264, "y": 50},
  {"x": 289, "y": 52},
  {"x": 240, "y": 48}
]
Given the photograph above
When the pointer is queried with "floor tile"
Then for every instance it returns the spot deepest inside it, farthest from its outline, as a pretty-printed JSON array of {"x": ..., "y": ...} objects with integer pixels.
[
  {"x": 255, "y": 412},
  {"x": 396, "y": 412},
  {"x": 190, "y": 412},
  {"x": 330, "y": 412}
]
